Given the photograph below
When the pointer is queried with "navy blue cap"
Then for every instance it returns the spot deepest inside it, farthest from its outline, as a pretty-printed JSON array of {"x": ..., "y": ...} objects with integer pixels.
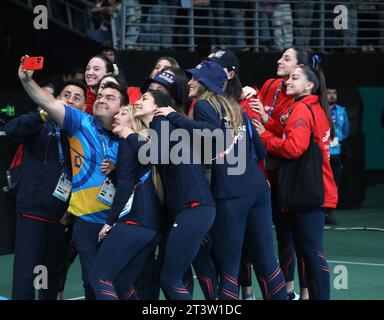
[
  {"x": 168, "y": 80},
  {"x": 210, "y": 74},
  {"x": 226, "y": 59}
]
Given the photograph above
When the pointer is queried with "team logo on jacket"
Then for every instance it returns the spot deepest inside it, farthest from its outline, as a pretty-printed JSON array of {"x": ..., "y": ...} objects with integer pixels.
[
  {"x": 284, "y": 117},
  {"x": 227, "y": 123}
]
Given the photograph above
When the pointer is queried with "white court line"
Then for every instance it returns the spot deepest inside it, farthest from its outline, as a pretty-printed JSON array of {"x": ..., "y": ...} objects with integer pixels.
[
  {"x": 77, "y": 298},
  {"x": 357, "y": 263}
]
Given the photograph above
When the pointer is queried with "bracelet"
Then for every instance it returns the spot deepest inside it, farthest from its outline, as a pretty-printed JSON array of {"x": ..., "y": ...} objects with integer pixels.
[{"x": 263, "y": 122}]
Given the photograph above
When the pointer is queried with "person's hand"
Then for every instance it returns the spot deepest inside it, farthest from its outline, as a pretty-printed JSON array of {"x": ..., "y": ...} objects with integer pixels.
[
  {"x": 67, "y": 219},
  {"x": 164, "y": 111},
  {"x": 24, "y": 75},
  {"x": 258, "y": 107},
  {"x": 107, "y": 166},
  {"x": 258, "y": 126},
  {"x": 104, "y": 232},
  {"x": 248, "y": 92}
]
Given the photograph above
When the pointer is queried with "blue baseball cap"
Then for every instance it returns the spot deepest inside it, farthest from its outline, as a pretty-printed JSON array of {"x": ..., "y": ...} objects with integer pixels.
[
  {"x": 227, "y": 59},
  {"x": 169, "y": 81},
  {"x": 211, "y": 75}
]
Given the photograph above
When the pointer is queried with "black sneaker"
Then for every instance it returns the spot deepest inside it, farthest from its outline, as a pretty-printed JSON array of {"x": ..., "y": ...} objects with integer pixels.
[{"x": 330, "y": 219}]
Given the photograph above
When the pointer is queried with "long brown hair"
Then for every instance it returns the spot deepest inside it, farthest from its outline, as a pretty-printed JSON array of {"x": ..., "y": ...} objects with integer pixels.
[{"x": 232, "y": 109}]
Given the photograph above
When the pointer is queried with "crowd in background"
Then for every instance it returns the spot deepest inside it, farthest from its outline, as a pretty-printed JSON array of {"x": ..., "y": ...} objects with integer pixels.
[{"x": 235, "y": 24}]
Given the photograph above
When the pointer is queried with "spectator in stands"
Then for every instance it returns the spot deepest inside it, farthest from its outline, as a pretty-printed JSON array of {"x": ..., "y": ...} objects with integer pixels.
[
  {"x": 103, "y": 11},
  {"x": 367, "y": 24},
  {"x": 341, "y": 125},
  {"x": 158, "y": 29},
  {"x": 350, "y": 34},
  {"x": 229, "y": 18},
  {"x": 111, "y": 54},
  {"x": 332, "y": 36},
  {"x": 303, "y": 18},
  {"x": 201, "y": 23},
  {"x": 266, "y": 40},
  {"x": 133, "y": 19},
  {"x": 282, "y": 24},
  {"x": 81, "y": 14}
]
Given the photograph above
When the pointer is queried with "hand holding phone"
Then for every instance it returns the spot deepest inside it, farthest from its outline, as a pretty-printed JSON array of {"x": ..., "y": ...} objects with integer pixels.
[{"x": 33, "y": 63}]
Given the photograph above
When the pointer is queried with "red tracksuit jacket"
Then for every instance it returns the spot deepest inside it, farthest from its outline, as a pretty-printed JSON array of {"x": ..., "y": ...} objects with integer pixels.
[
  {"x": 281, "y": 108},
  {"x": 244, "y": 104},
  {"x": 90, "y": 100},
  {"x": 296, "y": 136}
]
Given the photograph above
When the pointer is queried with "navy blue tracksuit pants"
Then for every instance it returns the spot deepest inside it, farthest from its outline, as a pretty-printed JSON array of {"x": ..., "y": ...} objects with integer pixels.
[
  {"x": 85, "y": 235},
  {"x": 233, "y": 216},
  {"x": 38, "y": 243},
  {"x": 184, "y": 240},
  {"x": 308, "y": 230},
  {"x": 288, "y": 252},
  {"x": 120, "y": 260},
  {"x": 205, "y": 268}
]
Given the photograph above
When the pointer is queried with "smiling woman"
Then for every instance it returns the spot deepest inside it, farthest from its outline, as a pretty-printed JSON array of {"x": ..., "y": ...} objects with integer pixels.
[{"x": 97, "y": 68}]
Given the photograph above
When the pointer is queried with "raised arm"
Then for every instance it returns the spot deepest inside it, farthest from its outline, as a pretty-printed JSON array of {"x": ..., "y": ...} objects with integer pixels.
[{"x": 42, "y": 98}]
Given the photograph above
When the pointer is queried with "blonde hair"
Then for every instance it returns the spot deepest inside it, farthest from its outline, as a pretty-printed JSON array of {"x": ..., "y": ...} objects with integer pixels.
[
  {"x": 139, "y": 127},
  {"x": 232, "y": 109}
]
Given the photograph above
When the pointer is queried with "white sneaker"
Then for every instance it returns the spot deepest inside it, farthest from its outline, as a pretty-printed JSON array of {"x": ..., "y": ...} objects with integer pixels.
[{"x": 293, "y": 296}]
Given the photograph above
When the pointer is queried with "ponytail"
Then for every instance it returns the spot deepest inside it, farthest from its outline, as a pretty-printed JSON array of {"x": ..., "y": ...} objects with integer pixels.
[{"x": 310, "y": 63}]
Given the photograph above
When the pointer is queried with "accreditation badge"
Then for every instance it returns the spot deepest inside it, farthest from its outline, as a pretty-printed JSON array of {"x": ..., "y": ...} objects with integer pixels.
[
  {"x": 63, "y": 188},
  {"x": 107, "y": 192}
]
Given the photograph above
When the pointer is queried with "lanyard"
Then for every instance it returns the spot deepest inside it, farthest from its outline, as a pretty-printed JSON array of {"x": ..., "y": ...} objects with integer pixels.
[
  {"x": 274, "y": 100},
  {"x": 141, "y": 180},
  {"x": 60, "y": 147},
  {"x": 128, "y": 206},
  {"x": 253, "y": 151},
  {"x": 235, "y": 140},
  {"x": 101, "y": 137},
  {"x": 145, "y": 176}
]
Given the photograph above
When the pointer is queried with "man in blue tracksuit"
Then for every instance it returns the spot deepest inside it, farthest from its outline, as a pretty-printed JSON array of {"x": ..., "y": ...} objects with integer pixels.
[
  {"x": 40, "y": 237},
  {"x": 341, "y": 125}
]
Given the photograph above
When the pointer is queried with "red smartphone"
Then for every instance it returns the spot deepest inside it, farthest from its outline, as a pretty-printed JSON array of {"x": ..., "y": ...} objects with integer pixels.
[{"x": 33, "y": 63}]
